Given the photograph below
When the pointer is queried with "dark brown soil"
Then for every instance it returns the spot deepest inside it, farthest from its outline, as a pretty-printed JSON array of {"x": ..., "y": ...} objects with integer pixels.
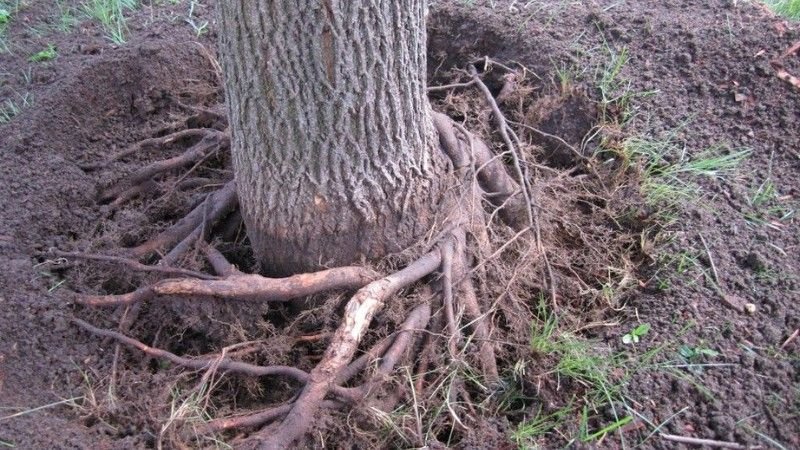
[{"x": 709, "y": 63}]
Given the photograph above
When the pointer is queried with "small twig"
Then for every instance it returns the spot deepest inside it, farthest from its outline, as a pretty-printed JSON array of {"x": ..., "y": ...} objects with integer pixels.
[
  {"x": 790, "y": 339},
  {"x": 710, "y": 261},
  {"x": 708, "y": 442},
  {"x": 448, "y": 87}
]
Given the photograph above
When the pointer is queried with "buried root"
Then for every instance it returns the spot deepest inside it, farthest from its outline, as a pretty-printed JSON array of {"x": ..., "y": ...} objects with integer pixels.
[{"x": 451, "y": 316}]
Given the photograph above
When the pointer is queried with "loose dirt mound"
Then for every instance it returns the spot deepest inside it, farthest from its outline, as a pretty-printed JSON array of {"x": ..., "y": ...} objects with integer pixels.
[
  {"x": 99, "y": 103},
  {"x": 707, "y": 67}
]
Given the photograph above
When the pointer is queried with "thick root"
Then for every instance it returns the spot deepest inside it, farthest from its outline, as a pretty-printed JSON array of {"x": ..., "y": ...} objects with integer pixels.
[
  {"x": 243, "y": 287},
  {"x": 131, "y": 186},
  {"x": 358, "y": 314},
  {"x": 216, "y": 206}
]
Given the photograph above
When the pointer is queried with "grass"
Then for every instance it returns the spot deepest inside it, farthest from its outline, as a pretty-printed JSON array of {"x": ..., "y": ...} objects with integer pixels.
[
  {"x": 8, "y": 9},
  {"x": 669, "y": 176},
  {"x": 47, "y": 54},
  {"x": 616, "y": 92},
  {"x": 768, "y": 207},
  {"x": 582, "y": 363},
  {"x": 66, "y": 17},
  {"x": 26, "y": 411},
  {"x": 592, "y": 381},
  {"x": 786, "y": 8},
  {"x": 11, "y": 107},
  {"x": 111, "y": 15}
]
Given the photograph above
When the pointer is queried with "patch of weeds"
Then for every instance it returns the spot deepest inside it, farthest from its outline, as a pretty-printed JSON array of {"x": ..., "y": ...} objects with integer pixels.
[
  {"x": 616, "y": 92},
  {"x": 669, "y": 175},
  {"x": 5, "y": 16},
  {"x": 200, "y": 27},
  {"x": 594, "y": 375},
  {"x": 769, "y": 207},
  {"x": 693, "y": 354},
  {"x": 9, "y": 108},
  {"x": 111, "y": 15},
  {"x": 47, "y": 54},
  {"x": 636, "y": 334},
  {"x": 66, "y": 17},
  {"x": 528, "y": 431},
  {"x": 8, "y": 9},
  {"x": 786, "y": 8}
]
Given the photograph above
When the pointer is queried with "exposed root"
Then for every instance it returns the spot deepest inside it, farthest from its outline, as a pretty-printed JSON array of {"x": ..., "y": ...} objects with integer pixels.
[
  {"x": 215, "y": 206},
  {"x": 243, "y": 287},
  {"x": 500, "y": 189},
  {"x": 357, "y": 316},
  {"x": 134, "y": 265},
  {"x": 462, "y": 325},
  {"x": 199, "y": 363},
  {"x": 128, "y": 188},
  {"x": 469, "y": 300},
  {"x": 502, "y": 127},
  {"x": 417, "y": 320},
  {"x": 147, "y": 144}
]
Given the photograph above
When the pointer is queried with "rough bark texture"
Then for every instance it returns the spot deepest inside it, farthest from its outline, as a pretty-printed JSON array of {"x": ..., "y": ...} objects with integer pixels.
[{"x": 336, "y": 159}]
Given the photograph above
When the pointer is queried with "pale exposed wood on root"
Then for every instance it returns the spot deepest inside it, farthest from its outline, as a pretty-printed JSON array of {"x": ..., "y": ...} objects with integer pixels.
[
  {"x": 142, "y": 294},
  {"x": 358, "y": 364},
  {"x": 416, "y": 320},
  {"x": 215, "y": 206},
  {"x": 252, "y": 287},
  {"x": 134, "y": 265},
  {"x": 357, "y": 317},
  {"x": 244, "y": 287}
]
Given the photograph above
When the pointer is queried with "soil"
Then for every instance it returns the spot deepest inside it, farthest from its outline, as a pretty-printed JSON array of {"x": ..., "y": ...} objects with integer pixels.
[{"x": 707, "y": 67}]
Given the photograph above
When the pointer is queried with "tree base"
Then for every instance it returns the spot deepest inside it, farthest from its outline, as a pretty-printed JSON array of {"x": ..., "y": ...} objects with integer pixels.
[{"x": 449, "y": 322}]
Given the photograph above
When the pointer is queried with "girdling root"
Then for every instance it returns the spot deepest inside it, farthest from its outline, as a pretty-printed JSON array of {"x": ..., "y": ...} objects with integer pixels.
[{"x": 451, "y": 308}]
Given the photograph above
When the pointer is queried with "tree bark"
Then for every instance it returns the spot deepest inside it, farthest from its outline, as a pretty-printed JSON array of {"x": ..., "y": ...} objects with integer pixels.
[{"x": 334, "y": 151}]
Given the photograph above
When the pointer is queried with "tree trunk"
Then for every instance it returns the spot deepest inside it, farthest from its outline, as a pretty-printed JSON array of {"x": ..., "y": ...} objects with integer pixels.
[{"x": 335, "y": 156}]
